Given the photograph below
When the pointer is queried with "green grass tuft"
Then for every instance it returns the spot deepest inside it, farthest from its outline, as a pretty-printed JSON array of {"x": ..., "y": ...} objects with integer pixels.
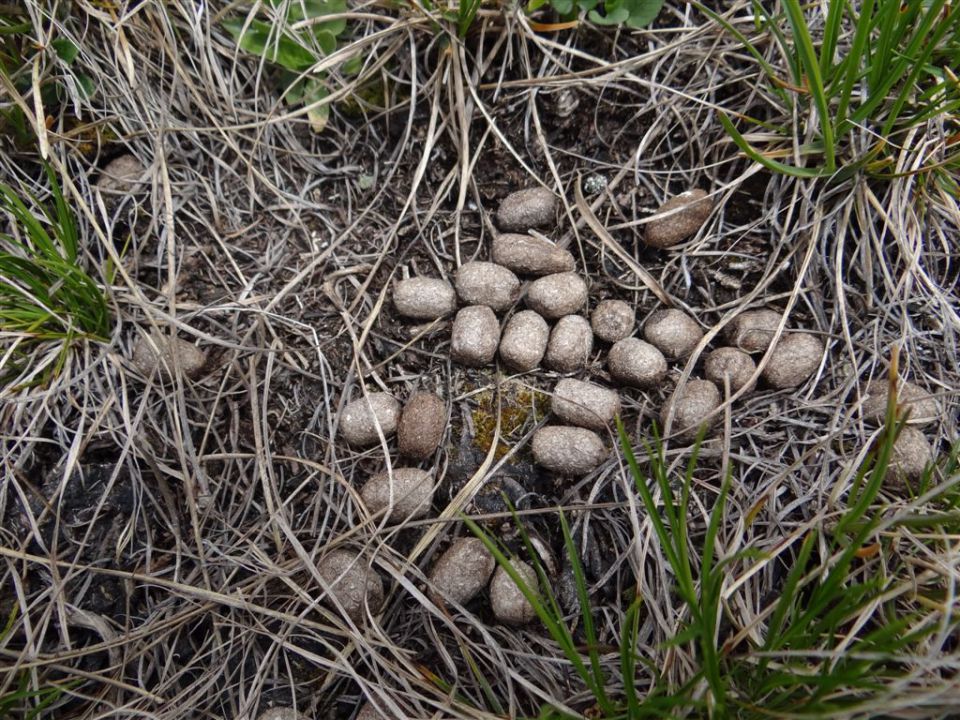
[
  {"x": 871, "y": 72},
  {"x": 45, "y": 294}
]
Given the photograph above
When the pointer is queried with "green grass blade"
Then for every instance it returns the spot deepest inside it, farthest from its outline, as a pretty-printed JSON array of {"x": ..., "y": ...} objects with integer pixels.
[
  {"x": 909, "y": 57},
  {"x": 781, "y": 93},
  {"x": 853, "y": 69},
  {"x": 63, "y": 221},
  {"x": 586, "y": 615},
  {"x": 770, "y": 164},
  {"x": 811, "y": 68},
  {"x": 554, "y": 625},
  {"x": 628, "y": 655},
  {"x": 789, "y": 595},
  {"x": 831, "y": 34}
]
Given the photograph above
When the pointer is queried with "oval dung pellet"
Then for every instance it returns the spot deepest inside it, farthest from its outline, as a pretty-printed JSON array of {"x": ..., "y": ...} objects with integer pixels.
[
  {"x": 167, "y": 354},
  {"x": 753, "y": 331},
  {"x": 675, "y": 333},
  {"x": 793, "y": 360},
  {"x": 554, "y": 296},
  {"x": 524, "y": 341},
  {"x": 635, "y": 362},
  {"x": 613, "y": 320},
  {"x": 122, "y": 175},
  {"x": 423, "y": 298},
  {"x": 524, "y": 209},
  {"x": 692, "y": 208},
  {"x": 910, "y": 455},
  {"x": 568, "y": 450},
  {"x": 422, "y": 424},
  {"x": 730, "y": 363},
  {"x": 585, "y": 404},
  {"x": 507, "y": 601},
  {"x": 361, "y": 418},
  {"x": 570, "y": 344},
  {"x": 690, "y": 405},
  {"x": 486, "y": 283},
  {"x": 922, "y": 407},
  {"x": 529, "y": 255},
  {"x": 475, "y": 336},
  {"x": 462, "y": 571},
  {"x": 352, "y": 583},
  {"x": 405, "y": 492}
]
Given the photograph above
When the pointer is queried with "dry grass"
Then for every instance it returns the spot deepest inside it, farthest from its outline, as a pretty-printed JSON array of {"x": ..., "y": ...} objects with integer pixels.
[{"x": 182, "y": 581}]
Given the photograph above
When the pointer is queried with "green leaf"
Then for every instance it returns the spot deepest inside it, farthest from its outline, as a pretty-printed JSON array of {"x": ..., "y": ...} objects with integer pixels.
[
  {"x": 564, "y": 7},
  {"x": 259, "y": 38},
  {"x": 352, "y": 66},
  {"x": 318, "y": 115},
  {"x": 85, "y": 83},
  {"x": 642, "y": 12},
  {"x": 327, "y": 41},
  {"x": 613, "y": 17},
  {"x": 300, "y": 10},
  {"x": 65, "y": 50}
]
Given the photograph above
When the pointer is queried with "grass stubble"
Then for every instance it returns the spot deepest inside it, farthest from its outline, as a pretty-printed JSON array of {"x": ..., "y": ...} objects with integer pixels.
[{"x": 273, "y": 247}]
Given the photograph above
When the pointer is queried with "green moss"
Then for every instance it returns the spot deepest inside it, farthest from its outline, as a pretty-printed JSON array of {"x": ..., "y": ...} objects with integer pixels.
[{"x": 518, "y": 405}]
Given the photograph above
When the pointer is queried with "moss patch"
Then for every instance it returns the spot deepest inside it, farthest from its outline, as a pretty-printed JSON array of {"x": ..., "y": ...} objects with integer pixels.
[{"x": 519, "y": 405}]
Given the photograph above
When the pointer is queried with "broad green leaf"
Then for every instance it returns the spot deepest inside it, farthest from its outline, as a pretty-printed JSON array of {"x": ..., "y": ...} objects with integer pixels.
[
  {"x": 65, "y": 50},
  {"x": 613, "y": 17},
  {"x": 327, "y": 41},
  {"x": 85, "y": 83},
  {"x": 642, "y": 12},
  {"x": 299, "y": 10},
  {"x": 258, "y": 38},
  {"x": 564, "y": 7}
]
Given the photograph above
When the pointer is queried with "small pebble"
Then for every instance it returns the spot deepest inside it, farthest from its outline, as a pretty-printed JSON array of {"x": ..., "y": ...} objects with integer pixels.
[
  {"x": 423, "y": 298},
  {"x": 422, "y": 424},
  {"x": 485, "y": 283},
  {"x": 361, "y": 418},
  {"x": 280, "y": 713},
  {"x": 793, "y": 360},
  {"x": 408, "y": 493},
  {"x": 568, "y": 450},
  {"x": 753, "y": 330},
  {"x": 668, "y": 231},
  {"x": 122, "y": 175},
  {"x": 168, "y": 355},
  {"x": 525, "y": 209},
  {"x": 508, "y": 602},
  {"x": 524, "y": 341},
  {"x": 463, "y": 570},
  {"x": 635, "y": 362},
  {"x": 613, "y": 320},
  {"x": 554, "y": 296},
  {"x": 585, "y": 404},
  {"x": 910, "y": 455},
  {"x": 570, "y": 345},
  {"x": 731, "y": 363},
  {"x": 528, "y": 255},
  {"x": 690, "y": 405},
  {"x": 352, "y": 583},
  {"x": 922, "y": 406},
  {"x": 475, "y": 336},
  {"x": 675, "y": 333}
]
